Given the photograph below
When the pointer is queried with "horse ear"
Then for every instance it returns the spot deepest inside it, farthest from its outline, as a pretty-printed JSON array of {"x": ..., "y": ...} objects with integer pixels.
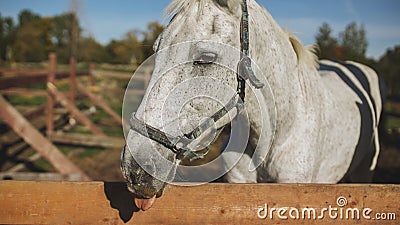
[
  {"x": 223, "y": 3},
  {"x": 156, "y": 45},
  {"x": 232, "y": 5}
]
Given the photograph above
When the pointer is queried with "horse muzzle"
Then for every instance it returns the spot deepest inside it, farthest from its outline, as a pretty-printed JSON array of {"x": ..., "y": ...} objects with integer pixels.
[{"x": 145, "y": 196}]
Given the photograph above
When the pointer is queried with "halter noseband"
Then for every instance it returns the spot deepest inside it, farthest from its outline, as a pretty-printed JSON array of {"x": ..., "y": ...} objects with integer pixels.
[{"x": 179, "y": 145}]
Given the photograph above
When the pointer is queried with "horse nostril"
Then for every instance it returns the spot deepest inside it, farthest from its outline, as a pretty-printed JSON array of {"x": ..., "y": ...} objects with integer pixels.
[
  {"x": 132, "y": 177},
  {"x": 144, "y": 191}
]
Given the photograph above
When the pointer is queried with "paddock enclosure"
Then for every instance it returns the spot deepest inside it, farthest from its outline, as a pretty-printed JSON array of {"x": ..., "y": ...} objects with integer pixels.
[
  {"x": 50, "y": 111},
  {"x": 44, "y": 202},
  {"x": 28, "y": 202}
]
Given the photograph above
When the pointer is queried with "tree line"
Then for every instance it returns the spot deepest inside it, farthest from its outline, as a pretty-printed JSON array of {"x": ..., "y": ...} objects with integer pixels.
[
  {"x": 352, "y": 44},
  {"x": 33, "y": 37}
]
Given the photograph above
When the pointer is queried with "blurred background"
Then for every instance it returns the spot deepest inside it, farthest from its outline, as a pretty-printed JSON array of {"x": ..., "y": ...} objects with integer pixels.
[{"x": 89, "y": 50}]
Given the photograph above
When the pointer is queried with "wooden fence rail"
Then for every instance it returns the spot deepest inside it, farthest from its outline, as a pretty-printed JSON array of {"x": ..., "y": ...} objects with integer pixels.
[
  {"x": 23, "y": 81},
  {"x": 111, "y": 203},
  {"x": 87, "y": 140},
  {"x": 64, "y": 101},
  {"x": 35, "y": 139}
]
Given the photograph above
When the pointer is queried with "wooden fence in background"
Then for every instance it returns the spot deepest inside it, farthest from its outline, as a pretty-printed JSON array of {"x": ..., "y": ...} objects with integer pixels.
[{"x": 14, "y": 82}]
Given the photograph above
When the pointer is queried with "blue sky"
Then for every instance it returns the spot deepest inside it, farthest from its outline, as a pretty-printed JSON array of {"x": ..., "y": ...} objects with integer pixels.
[{"x": 106, "y": 20}]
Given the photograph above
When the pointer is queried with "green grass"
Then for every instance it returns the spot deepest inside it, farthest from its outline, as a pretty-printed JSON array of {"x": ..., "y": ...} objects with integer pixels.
[
  {"x": 83, "y": 66},
  {"x": 36, "y": 86},
  {"x": 63, "y": 87},
  {"x": 117, "y": 109},
  {"x": 392, "y": 122},
  {"x": 44, "y": 165},
  {"x": 87, "y": 151},
  {"x": 108, "y": 130},
  {"x": 99, "y": 115},
  {"x": 113, "y": 131},
  {"x": 83, "y": 104},
  {"x": 26, "y": 100},
  {"x": 80, "y": 130},
  {"x": 66, "y": 149},
  {"x": 129, "y": 68}
]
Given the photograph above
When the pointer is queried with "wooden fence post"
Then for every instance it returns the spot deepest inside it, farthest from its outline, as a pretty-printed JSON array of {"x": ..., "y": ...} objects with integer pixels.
[
  {"x": 72, "y": 77},
  {"x": 91, "y": 75},
  {"x": 50, "y": 97}
]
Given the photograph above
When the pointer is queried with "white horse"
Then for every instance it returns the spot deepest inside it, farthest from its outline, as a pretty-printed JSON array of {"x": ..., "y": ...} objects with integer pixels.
[{"x": 305, "y": 126}]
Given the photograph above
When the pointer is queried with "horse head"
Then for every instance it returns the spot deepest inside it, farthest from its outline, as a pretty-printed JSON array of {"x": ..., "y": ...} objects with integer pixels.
[{"x": 194, "y": 78}]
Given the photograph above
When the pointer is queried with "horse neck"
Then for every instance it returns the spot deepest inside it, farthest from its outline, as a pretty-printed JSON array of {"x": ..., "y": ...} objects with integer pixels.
[
  {"x": 272, "y": 51},
  {"x": 290, "y": 79}
]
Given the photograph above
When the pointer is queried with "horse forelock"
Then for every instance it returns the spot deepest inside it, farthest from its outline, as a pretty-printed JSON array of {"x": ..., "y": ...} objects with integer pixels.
[{"x": 177, "y": 5}]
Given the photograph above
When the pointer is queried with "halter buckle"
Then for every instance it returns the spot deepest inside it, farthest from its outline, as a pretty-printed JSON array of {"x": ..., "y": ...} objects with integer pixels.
[{"x": 246, "y": 72}]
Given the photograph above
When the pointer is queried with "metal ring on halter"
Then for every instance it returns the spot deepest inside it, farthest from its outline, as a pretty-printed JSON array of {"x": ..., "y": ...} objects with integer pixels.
[{"x": 246, "y": 72}]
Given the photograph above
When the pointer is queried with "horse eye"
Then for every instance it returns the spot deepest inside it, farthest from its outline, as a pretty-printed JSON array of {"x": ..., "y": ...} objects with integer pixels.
[{"x": 206, "y": 58}]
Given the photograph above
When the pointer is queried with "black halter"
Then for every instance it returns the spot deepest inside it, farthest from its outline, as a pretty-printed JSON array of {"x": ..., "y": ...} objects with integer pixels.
[{"x": 179, "y": 145}]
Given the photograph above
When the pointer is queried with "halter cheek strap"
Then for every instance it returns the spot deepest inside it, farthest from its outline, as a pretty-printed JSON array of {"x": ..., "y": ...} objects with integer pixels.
[
  {"x": 245, "y": 71},
  {"x": 179, "y": 145}
]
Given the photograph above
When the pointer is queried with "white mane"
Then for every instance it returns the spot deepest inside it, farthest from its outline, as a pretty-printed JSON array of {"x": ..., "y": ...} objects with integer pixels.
[{"x": 305, "y": 54}]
